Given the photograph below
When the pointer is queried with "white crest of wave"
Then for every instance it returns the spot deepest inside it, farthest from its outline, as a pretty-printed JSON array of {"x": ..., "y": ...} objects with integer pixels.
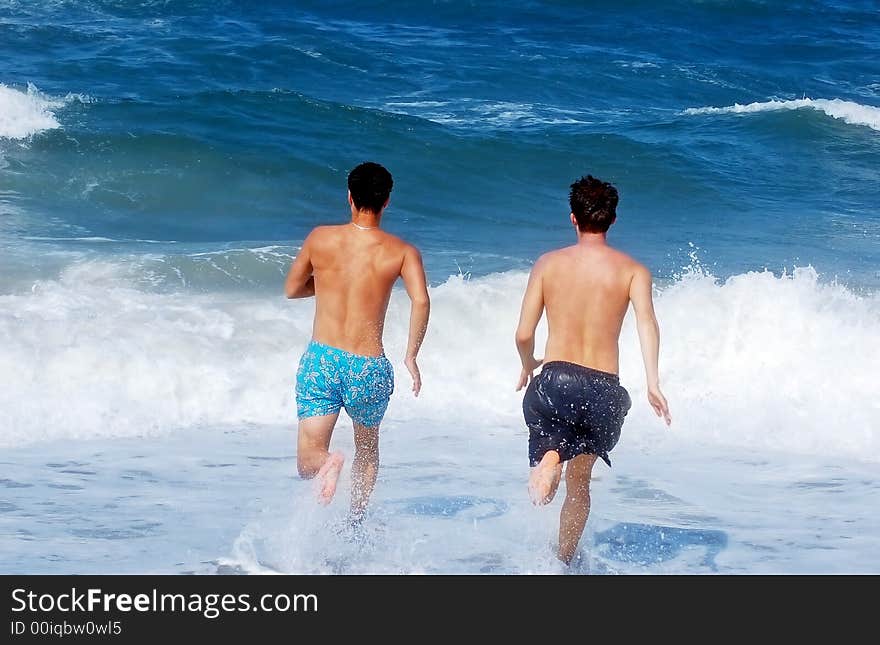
[
  {"x": 768, "y": 362},
  {"x": 24, "y": 114},
  {"x": 502, "y": 114},
  {"x": 847, "y": 111}
]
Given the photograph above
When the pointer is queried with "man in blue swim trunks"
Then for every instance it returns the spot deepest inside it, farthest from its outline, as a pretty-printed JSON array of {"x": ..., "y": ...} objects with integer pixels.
[
  {"x": 576, "y": 406},
  {"x": 350, "y": 270}
]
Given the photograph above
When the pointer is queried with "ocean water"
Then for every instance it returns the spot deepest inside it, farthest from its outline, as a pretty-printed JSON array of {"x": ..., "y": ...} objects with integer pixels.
[{"x": 161, "y": 162}]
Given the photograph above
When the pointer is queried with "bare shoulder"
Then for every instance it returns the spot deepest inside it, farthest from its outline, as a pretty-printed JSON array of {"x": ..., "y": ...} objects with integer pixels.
[
  {"x": 326, "y": 237},
  {"x": 320, "y": 234},
  {"x": 411, "y": 251},
  {"x": 628, "y": 264},
  {"x": 549, "y": 260},
  {"x": 400, "y": 247},
  {"x": 639, "y": 278},
  {"x": 410, "y": 258},
  {"x": 637, "y": 269}
]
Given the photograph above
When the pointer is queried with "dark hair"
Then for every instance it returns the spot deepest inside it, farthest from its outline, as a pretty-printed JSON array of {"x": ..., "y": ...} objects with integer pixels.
[
  {"x": 370, "y": 186},
  {"x": 594, "y": 204}
]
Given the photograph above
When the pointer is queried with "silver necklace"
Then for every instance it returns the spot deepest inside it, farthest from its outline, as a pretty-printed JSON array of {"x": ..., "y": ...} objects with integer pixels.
[{"x": 364, "y": 228}]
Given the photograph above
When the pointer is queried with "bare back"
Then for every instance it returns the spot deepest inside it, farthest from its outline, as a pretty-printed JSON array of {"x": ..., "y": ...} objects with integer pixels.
[
  {"x": 354, "y": 271},
  {"x": 586, "y": 291}
]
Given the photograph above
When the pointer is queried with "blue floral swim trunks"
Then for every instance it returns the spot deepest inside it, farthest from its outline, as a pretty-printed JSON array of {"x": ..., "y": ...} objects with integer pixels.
[{"x": 329, "y": 379}]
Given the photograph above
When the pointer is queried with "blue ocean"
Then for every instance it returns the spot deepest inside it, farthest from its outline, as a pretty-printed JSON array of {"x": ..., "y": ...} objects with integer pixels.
[{"x": 162, "y": 161}]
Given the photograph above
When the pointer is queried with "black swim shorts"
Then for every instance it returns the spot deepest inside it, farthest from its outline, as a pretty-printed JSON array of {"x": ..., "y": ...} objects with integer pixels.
[{"x": 574, "y": 410}]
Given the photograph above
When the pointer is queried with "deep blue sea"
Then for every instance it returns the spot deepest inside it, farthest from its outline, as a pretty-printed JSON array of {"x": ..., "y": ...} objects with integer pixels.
[{"x": 161, "y": 162}]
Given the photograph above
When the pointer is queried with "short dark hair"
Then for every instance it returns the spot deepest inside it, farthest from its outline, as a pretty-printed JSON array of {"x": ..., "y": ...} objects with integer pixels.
[
  {"x": 370, "y": 186},
  {"x": 593, "y": 203}
]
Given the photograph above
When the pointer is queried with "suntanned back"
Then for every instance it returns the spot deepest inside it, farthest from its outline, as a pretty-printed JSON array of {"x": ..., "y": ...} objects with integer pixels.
[
  {"x": 586, "y": 292},
  {"x": 354, "y": 271}
]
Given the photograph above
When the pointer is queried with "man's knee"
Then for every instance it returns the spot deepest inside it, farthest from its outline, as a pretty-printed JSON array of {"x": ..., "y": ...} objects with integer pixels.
[{"x": 366, "y": 444}]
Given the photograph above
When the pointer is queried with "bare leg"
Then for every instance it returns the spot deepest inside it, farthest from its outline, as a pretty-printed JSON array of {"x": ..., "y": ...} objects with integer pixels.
[
  {"x": 313, "y": 457},
  {"x": 363, "y": 470},
  {"x": 544, "y": 479},
  {"x": 576, "y": 507}
]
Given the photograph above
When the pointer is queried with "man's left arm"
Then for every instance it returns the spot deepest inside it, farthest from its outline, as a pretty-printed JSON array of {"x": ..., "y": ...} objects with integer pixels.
[
  {"x": 530, "y": 315},
  {"x": 300, "y": 282},
  {"x": 413, "y": 273}
]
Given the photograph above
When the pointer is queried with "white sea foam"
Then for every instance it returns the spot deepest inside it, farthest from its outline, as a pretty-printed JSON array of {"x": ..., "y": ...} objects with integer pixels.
[
  {"x": 43, "y": 238},
  {"x": 781, "y": 363},
  {"x": 506, "y": 113},
  {"x": 635, "y": 64},
  {"x": 24, "y": 114},
  {"x": 847, "y": 111},
  {"x": 499, "y": 114}
]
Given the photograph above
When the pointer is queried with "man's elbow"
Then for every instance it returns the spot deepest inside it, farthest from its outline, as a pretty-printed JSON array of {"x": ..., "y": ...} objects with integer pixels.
[
  {"x": 421, "y": 301},
  {"x": 649, "y": 325},
  {"x": 524, "y": 338},
  {"x": 292, "y": 291}
]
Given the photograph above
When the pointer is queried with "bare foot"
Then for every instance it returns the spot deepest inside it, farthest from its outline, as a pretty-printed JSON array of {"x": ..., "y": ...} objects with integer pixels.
[
  {"x": 544, "y": 479},
  {"x": 327, "y": 476}
]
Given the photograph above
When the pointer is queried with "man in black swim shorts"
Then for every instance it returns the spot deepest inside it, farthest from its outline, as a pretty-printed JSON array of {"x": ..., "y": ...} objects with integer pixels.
[
  {"x": 575, "y": 407},
  {"x": 574, "y": 410}
]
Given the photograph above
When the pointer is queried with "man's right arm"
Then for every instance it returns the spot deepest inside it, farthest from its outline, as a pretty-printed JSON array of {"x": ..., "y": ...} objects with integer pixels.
[
  {"x": 300, "y": 282},
  {"x": 640, "y": 294},
  {"x": 530, "y": 314},
  {"x": 413, "y": 273}
]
